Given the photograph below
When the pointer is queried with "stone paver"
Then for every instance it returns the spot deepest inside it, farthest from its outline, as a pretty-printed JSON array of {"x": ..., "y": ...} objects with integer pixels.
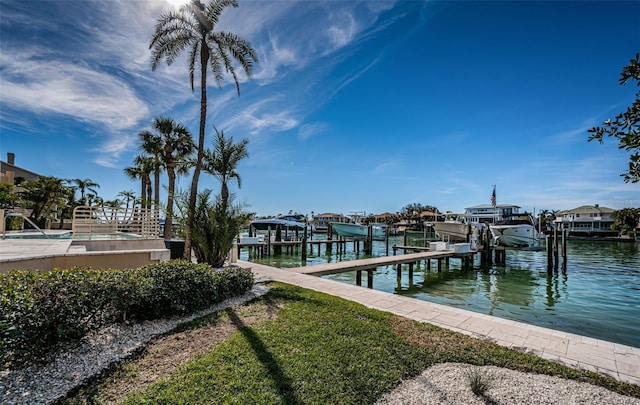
[{"x": 618, "y": 361}]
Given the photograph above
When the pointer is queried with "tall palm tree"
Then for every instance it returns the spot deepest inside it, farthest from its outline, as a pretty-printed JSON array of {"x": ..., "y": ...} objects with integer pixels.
[
  {"x": 151, "y": 145},
  {"x": 192, "y": 28},
  {"x": 141, "y": 170},
  {"x": 175, "y": 144},
  {"x": 223, "y": 160},
  {"x": 86, "y": 185}
]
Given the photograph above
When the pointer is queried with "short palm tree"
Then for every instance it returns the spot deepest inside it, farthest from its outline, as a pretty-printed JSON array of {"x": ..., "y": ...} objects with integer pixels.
[
  {"x": 141, "y": 170},
  {"x": 223, "y": 160},
  {"x": 192, "y": 28},
  {"x": 172, "y": 144},
  {"x": 129, "y": 196},
  {"x": 151, "y": 146},
  {"x": 85, "y": 185}
]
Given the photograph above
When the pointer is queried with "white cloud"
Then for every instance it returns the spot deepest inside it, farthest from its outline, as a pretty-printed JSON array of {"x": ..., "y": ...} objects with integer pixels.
[
  {"x": 306, "y": 131},
  {"x": 78, "y": 91}
]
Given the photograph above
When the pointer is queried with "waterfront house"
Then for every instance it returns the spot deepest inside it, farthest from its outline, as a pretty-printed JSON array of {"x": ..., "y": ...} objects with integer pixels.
[
  {"x": 587, "y": 220},
  {"x": 487, "y": 213}
]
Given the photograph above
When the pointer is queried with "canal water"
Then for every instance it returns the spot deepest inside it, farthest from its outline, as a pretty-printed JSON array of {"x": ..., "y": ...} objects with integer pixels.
[{"x": 597, "y": 296}]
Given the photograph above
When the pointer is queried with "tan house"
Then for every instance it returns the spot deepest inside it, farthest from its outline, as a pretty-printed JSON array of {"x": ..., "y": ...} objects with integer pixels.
[
  {"x": 589, "y": 220},
  {"x": 9, "y": 172}
]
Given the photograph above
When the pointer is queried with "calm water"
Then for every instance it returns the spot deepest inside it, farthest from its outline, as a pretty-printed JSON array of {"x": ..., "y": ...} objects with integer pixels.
[{"x": 597, "y": 296}]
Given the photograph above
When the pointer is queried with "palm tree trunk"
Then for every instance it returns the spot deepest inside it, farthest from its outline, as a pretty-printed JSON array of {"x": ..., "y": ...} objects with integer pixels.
[
  {"x": 156, "y": 186},
  {"x": 168, "y": 224},
  {"x": 204, "y": 58}
]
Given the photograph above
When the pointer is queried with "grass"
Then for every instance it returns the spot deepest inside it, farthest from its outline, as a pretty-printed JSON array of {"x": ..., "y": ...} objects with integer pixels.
[
  {"x": 323, "y": 349},
  {"x": 479, "y": 381}
]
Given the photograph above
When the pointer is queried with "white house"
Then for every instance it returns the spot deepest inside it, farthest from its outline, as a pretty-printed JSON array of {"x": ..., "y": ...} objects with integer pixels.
[{"x": 587, "y": 219}]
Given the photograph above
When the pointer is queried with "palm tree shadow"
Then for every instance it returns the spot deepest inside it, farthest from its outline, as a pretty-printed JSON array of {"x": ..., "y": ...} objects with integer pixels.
[{"x": 267, "y": 359}]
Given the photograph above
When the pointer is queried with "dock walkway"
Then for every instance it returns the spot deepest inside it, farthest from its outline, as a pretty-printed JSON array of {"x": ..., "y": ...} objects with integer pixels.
[
  {"x": 367, "y": 264},
  {"x": 618, "y": 361}
]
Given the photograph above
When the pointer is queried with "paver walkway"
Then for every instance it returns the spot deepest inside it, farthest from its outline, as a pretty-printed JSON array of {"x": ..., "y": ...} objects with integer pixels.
[{"x": 618, "y": 361}]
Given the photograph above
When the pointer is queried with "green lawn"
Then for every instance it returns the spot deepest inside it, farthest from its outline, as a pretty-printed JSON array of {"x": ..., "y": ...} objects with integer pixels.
[{"x": 323, "y": 349}]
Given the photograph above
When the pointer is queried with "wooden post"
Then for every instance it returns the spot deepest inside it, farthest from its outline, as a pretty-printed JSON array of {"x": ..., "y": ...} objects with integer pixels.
[
  {"x": 277, "y": 249},
  {"x": 410, "y": 271},
  {"x": 556, "y": 251},
  {"x": 269, "y": 242},
  {"x": 329, "y": 238},
  {"x": 386, "y": 239},
  {"x": 487, "y": 246},
  {"x": 439, "y": 264},
  {"x": 370, "y": 278},
  {"x": 565, "y": 236},
  {"x": 359, "y": 278},
  {"x": 304, "y": 246},
  {"x": 549, "y": 255},
  {"x": 399, "y": 270},
  {"x": 428, "y": 264},
  {"x": 404, "y": 238},
  {"x": 368, "y": 243}
]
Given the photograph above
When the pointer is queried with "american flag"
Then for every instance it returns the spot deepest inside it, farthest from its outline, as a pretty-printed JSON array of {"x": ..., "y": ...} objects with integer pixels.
[{"x": 493, "y": 197}]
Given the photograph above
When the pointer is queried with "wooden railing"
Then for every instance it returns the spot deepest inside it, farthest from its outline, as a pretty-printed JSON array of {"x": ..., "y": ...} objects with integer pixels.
[{"x": 104, "y": 220}]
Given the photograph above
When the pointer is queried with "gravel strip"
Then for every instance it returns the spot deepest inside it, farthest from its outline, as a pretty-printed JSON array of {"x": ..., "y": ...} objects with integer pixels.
[
  {"x": 44, "y": 384},
  {"x": 449, "y": 384}
]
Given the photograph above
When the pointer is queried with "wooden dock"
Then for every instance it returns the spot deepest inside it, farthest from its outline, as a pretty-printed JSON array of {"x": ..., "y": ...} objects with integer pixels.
[{"x": 370, "y": 265}]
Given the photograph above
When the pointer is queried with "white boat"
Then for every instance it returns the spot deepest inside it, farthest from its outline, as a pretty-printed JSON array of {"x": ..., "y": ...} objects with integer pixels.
[
  {"x": 289, "y": 222},
  {"x": 453, "y": 229},
  {"x": 359, "y": 231},
  {"x": 515, "y": 230}
]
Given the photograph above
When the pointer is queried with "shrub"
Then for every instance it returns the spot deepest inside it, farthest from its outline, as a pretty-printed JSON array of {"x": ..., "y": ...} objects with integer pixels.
[
  {"x": 40, "y": 310},
  {"x": 479, "y": 381}
]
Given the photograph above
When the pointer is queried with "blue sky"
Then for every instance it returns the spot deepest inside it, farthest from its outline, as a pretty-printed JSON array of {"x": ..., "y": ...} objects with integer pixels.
[{"x": 354, "y": 106}]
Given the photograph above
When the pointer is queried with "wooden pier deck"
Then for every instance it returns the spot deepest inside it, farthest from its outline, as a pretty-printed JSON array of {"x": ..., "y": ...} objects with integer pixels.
[{"x": 373, "y": 263}]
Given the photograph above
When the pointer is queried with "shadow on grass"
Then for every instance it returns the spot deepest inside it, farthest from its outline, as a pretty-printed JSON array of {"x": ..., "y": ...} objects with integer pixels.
[{"x": 282, "y": 382}]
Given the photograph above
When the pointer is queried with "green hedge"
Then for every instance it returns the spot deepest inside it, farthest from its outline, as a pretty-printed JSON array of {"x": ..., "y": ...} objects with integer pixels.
[{"x": 40, "y": 310}]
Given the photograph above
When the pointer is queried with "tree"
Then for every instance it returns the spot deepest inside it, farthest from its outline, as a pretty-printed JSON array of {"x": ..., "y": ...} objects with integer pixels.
[
  {"x": 223, "y": 160},
  {"x": 86, "y": 185},
  {"x": 192, "y": 27},
  {"x": 625, "y": 220},
  {"x": 142, "y": 169},
  {"x": 8, "y": 198},
  {"x": 129, "y": 196},
  {"x": 151, "y": 145},
  {"x": 626, "y": 125},
  {"x": 216, "y": 225},
  {"x": 173, "y": 145},
  {"x": 43, "y": 196}
]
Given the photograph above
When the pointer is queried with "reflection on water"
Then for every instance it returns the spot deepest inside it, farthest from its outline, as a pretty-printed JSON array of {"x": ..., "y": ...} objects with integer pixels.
[{"x": 597, "y": 296}]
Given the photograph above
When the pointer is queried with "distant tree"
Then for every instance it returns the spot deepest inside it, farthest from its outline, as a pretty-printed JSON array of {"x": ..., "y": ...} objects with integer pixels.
[
  {"x": 151, "y": 145},
  {"x": 223, "y": 160},
  {"x": 141, "y": 170},
  {"x": 129, "y": 197},
  {"x": 625, "y": 220},
  {"x": 626, "y": 125},
  {"x": 85, "y": 186},
  {"x": 193, "y": 28}
]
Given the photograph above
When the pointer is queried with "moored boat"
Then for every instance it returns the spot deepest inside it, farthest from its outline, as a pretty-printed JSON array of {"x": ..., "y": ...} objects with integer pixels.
[
  {"x": 359, "y": 231},
  {"x": 515, "y": 230},
  {"x": 284, "y": 222},
  {"x": 453, "y": 229}
]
